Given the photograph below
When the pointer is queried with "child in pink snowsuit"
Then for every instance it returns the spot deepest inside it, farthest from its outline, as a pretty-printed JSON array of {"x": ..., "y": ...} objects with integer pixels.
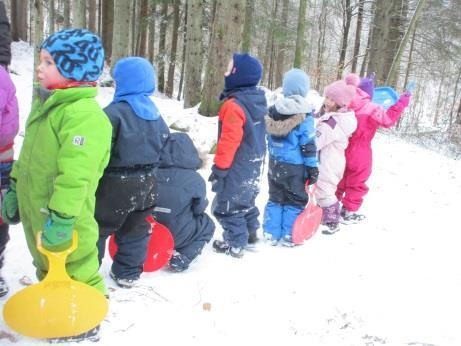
[
  {"x": 336, "y": 124},
  {"x": 352, "y": 188},
  {"x": 9, "y": 125}
]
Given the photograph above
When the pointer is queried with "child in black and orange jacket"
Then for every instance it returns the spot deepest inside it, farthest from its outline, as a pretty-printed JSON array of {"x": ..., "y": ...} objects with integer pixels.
[{"x": 240, "y": 152}]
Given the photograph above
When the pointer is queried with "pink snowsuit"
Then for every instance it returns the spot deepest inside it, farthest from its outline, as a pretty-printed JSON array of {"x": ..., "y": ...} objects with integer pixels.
[{"x": 352, "y": 188}]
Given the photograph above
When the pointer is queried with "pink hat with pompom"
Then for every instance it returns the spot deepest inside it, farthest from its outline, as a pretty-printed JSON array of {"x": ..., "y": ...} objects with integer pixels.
[{"x": 342, "y": 91}]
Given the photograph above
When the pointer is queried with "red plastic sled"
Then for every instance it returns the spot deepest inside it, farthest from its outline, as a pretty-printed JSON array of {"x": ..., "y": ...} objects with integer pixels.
[
  {"x": 307, "y": 223},
  {"x": 160, "y": 248}
]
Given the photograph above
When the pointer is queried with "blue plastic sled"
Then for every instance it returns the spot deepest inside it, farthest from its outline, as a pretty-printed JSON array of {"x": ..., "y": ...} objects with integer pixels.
[{"x": 385, "y": 96}]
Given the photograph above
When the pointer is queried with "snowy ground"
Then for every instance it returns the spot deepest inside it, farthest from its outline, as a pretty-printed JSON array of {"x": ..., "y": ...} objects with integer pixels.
[{"x": 393, "y": 280}]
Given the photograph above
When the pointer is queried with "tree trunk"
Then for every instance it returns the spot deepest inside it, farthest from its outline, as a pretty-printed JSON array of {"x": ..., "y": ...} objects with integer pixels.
[
  {"x": 152, "y": 14},
  {"x": 183, "y": 59},
  {"x": 161, "y": 47},
  {"x": 92, "y": 15},
  {"x": 174, "y": 46},
  {"x": 437, "y": 104},
  {"x": 269, "y": 45},
  {"x": 38, "y": 38},
  {"x": 300, "y": 43},
  {"x": 51, "y": 16},
  {"x": 391, "y": 77},
  {"x": 19, "y": 20},
  {"x": 79, "y": 13},
  {"x": 144, "y": 21},
  {"x": 379, "y": 39},
  {"x": 134, "y": 18},
  {"x": 120, "y": 48},
  {"x": 358, "y": 33},
  {"x": 226, "y": 36},
  {"x": 347, "y": 17},
  {"x": 66, "y": 14},
  {"x": 367, "y": 51},
  {"x": 107, "y": 27},
  {"x": 194, "y": 54},
  {"x": 321, "y": 43},
  {"x": 280, "y": 63},
  {"x": 455, "y": 96},
  {"x": 248, "y": 26},
  {"x": 407, "y": 74}
]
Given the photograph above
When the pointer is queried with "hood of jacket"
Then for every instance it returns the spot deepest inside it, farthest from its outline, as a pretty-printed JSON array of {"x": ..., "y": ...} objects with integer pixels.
[
  {"x": 135, "y": 83},
  {"x": 180, "y": 152}
]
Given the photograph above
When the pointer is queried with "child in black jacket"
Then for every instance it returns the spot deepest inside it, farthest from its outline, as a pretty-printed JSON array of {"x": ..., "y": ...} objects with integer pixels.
[{"x": 124, "y": 197}]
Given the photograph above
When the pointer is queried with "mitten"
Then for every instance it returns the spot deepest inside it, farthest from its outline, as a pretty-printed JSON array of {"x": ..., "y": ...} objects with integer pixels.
[
  {"x": 217, "y": 179},
  {"x": 405, "y": 99},
  {"x": 57, "y": 232},
  {"x": 312, "y": 174},
  {"x": 10, "y": 212}
]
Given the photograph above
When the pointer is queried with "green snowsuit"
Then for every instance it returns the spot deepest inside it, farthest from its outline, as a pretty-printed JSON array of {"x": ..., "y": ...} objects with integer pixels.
[{"x": 65, "y": 150}]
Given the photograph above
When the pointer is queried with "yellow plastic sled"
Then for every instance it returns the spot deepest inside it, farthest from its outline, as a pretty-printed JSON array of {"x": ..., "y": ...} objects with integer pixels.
[{"x": 57, "y": 306}]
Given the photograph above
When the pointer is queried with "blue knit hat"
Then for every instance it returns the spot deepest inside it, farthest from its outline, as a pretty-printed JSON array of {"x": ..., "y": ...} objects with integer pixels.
[
  {"x": 296, "y": 82},
  {"x": 77, "y": 53},
  {"x": 247, "y": 72}
]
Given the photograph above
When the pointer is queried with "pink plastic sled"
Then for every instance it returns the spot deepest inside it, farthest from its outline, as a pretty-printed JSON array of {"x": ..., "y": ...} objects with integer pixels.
[{"x": 307, "y": 223}]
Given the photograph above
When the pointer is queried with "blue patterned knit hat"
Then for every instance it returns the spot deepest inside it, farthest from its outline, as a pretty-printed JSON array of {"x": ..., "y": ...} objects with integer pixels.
[{"x": 77, "y": 53}]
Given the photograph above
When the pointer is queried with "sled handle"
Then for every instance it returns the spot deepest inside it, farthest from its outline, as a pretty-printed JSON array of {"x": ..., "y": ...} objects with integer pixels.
[{"x": 310, "y": 191}]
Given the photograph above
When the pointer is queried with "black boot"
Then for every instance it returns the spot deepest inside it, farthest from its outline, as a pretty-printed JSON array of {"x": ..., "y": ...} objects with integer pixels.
[{"x": 221, "y": 246}]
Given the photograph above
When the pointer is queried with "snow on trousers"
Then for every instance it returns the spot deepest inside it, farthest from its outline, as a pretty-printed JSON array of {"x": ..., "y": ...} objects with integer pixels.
[
  {"x": 287, "y": 198},
  {"x": 123, "y": 202}
]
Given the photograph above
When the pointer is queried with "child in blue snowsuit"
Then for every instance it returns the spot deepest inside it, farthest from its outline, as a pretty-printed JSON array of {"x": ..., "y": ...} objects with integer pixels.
[
  {"x": 240, "y": 152},
  {"x": 124, "y": 197},
  {"x": 292, "y": 157},
  {"x": 180, "y": 200}
]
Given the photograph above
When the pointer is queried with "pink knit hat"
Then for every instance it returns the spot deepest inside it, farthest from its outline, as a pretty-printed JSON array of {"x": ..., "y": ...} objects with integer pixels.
[{"x": 341, "y": 92}]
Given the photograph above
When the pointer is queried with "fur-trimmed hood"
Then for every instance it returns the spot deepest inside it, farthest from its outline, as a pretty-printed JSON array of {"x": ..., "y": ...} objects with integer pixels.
[{"x": 281, "y": 128}]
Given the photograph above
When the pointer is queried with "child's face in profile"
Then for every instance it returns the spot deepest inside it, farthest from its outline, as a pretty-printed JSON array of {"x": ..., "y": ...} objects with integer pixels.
[
  {"x": 330, "y": 105},
  {"x": 230, "y": 67},
  {"x": 47, "y": 72}
]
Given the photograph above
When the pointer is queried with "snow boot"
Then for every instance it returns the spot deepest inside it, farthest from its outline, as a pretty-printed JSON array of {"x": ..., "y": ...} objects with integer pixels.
[
  {"x": 287, "y": 241},
  {"x": 3, "y": 287},
  {"x": 330, "y": 228},
  {"x": 123, "y": 283},
  {"x": 220, "y": 246},
  {"x": 350, "y": 217},
  {"x": 179, "y": 262},
  {"x": 269, "y": 238},
  {"x": 91, "y": 335}
]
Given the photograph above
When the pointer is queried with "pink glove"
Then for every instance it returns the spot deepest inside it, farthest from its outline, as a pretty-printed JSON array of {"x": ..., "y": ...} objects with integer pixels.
[{"x": 405, "y": 99}]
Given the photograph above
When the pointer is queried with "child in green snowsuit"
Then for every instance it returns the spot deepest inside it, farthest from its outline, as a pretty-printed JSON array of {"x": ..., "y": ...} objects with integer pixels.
[{"x": 65, "y": 150}]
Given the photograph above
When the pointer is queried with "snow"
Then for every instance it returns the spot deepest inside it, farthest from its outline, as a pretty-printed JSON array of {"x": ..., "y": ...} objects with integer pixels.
[{"x": 393, "y": 280}]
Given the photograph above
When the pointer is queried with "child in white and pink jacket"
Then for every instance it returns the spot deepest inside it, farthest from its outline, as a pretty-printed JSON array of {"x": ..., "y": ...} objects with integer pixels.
[{"x": 336, "y": 123}]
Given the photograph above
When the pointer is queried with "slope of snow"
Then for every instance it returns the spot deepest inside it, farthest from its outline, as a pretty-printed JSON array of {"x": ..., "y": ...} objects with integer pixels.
[{"x": 393, "y": 280}]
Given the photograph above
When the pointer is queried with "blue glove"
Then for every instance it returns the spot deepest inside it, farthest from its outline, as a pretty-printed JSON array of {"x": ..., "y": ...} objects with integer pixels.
[
  {"x": 57, "y": 232},
  {"x": 217, "y": 179}
]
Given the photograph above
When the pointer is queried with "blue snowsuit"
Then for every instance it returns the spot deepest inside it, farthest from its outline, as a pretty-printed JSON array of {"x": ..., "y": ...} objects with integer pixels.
[
  {"x": 180, "y": 196},
  {"x": 234, "y": 206},
  {"x": 291, "y": 143}
]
